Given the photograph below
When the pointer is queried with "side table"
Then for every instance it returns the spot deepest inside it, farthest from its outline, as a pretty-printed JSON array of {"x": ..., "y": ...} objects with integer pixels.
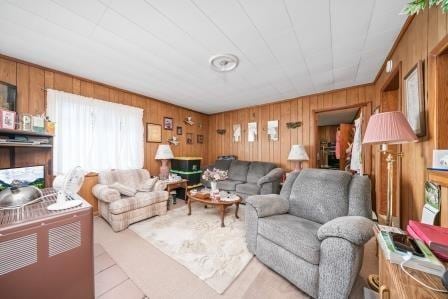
[{"x": 172, "y": 185}]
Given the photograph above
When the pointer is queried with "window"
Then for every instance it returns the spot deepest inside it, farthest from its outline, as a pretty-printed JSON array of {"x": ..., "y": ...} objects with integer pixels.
[{"x": 94, "y": 134}]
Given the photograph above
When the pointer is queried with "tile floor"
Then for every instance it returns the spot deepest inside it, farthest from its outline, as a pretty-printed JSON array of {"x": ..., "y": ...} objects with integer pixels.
[{"x": 110, "y": 280}]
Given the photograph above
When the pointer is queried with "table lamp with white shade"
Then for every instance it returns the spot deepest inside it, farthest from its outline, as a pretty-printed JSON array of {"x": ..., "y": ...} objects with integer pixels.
[
  {"x": 298, "y": 154},
  {"x": 389, "y": 128},
  {"x": 164, "y": 154}
]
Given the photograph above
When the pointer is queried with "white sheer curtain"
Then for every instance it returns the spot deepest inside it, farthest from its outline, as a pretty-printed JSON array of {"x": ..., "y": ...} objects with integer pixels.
[{"x": 94, "y": 134}]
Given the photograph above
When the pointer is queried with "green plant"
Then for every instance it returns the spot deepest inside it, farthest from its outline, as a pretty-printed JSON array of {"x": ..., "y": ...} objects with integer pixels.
[{"x": 415, "y": 6}]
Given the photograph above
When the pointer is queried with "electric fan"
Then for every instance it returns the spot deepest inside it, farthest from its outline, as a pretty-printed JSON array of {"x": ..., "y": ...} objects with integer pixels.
[{"x": 67, "y": 187}]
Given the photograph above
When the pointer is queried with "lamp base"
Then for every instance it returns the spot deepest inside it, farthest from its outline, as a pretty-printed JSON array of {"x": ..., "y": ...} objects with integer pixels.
[
  {"x": 298, "y": 166},
  {"x": 164, "y": 170}
]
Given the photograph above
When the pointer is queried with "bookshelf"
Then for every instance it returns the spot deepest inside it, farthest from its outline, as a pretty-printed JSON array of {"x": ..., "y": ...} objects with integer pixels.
[{"x": 14, "y": 140}]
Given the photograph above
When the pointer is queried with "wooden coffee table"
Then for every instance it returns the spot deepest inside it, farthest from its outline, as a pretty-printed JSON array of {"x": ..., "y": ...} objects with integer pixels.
[{"x": 221, "y": 205}]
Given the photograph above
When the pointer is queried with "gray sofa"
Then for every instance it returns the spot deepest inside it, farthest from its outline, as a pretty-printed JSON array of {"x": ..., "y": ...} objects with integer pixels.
[
  {"x": 248, "y": 178},
  {"x": 314, "y": 232}
]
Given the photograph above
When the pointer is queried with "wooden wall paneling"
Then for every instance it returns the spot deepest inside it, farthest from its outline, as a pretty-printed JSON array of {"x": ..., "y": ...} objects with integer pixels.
[
  {"x": 87, "y": 89},
  {"x": 48, "y": 79},
  {"x": 264, "y": 143},
  {"x": 293, "y": 132},
  {"x": 8, "y": 71},
  {"x": 306, "y": 128},
  {"x": 101, "y": 92},
  {"x": 340, "y": 98},
  {"x": 284, "y": 133},
  {"x": 23, "y": 84},
  {"x": 77, "y": 86},
  {"x": 63, "y": 82},
  {"x": 313, "y": 148},
  {"x": 36, "y": 103}
]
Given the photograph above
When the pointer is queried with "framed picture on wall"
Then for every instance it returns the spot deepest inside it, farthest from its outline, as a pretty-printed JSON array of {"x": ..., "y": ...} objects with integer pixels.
[
  {"x": 179, "y": 130},
  {"x": 200, "y": 139},
  {"x": 8, "y": 95},
  {"x": 189, "y": 138},
  {"x": 414, "y": 99},
  {"x": 153, "y": 133},
  {"x": 168, "y": 123}
]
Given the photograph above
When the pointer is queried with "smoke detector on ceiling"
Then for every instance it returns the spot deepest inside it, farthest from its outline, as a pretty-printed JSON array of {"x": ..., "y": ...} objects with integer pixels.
[{"x": 224, "y": 62}]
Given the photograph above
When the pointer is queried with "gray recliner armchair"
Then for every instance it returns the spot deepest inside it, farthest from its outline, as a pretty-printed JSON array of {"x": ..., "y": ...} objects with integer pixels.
[{"x": 313, "y": 233}]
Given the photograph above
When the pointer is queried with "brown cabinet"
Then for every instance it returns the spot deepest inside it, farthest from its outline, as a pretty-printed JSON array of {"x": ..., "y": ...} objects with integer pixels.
[{"x": 395, "y": 284}]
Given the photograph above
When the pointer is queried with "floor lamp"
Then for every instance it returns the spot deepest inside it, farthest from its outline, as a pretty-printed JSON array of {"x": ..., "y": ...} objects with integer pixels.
[{"x": 389, "y": 128}]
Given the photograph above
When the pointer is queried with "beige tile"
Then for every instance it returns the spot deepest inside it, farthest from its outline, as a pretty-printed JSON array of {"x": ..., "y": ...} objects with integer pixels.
[
  {"x": 108, "y": 279},
  {"x": 103, "y": 262},
  {"x": 126, "y": 290},
  {"x": 97, "y": 249}
]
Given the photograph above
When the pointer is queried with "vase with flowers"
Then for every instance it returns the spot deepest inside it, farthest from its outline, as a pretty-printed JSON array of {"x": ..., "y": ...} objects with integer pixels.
[{"x": 213, "y": 176}]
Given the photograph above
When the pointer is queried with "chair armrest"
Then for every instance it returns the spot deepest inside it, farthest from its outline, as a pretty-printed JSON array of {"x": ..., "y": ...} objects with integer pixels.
[
  {"x": 268, "y": 205},
  {"x": 272, "y": 176},
  {"x": 106, "y": 194},
  {"x": 355, "y": 229}
]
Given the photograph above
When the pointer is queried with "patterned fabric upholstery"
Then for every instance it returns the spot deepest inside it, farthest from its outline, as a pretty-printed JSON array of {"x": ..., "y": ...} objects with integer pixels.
[
  {"x": 316, "y": 240},
  {"x": 121, "y": 211}
]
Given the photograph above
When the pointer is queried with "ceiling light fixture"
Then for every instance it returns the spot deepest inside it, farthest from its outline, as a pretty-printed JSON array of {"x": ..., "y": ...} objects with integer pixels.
[{"x": 224, "y": 62}]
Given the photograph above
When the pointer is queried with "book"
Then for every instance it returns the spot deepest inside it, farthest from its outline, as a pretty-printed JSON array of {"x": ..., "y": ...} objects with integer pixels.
[
  {"x": 439, "y": 254},
  {"x": 429, "y": 264},
  {"x": 435, "y": 237}
]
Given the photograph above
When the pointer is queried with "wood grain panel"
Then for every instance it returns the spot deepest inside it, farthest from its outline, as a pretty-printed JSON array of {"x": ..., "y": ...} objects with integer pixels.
[{"x": 31, "y": 80}]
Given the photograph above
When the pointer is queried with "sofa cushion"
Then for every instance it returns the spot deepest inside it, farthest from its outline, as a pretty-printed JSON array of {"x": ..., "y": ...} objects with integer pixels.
[
  {"x": 258, "y": 170},
  {"x": 228, "y": 185},
  {"x": 132, "y": 177},
  {"x": 148, "y": 185},
  {"x": 123, "y": 189},
  {"x": 238, "y": 170},
  {"x": 222, "y": 164},
  {"x": 320, "y": 195},
  {"x": 248, "y": 188},
  {"x": 140, "y": 200},
  {"x": 297, "y": 235}
]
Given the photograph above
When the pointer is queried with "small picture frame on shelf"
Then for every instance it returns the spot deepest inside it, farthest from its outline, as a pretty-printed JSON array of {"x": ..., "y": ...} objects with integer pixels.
[
  {"x": 38, "y": 124},
  {"x": 168, "y": 123},
  {"x": 8, "y": 119},
  {"x": 179, "y": 130},
  {"x": 26, "y": 122}
]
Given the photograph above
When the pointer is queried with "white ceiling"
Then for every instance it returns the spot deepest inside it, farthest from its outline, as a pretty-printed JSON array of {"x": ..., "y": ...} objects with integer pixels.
[{"x": 161, "y": 48}]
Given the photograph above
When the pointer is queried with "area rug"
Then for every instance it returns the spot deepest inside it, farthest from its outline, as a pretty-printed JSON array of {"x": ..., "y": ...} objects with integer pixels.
[{"x": 213, "y": 253}]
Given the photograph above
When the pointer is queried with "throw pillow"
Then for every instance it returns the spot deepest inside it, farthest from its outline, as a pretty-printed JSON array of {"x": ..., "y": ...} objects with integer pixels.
[
  {"x": 124, "y": 190},
  {"x": 148, "y": 185}
]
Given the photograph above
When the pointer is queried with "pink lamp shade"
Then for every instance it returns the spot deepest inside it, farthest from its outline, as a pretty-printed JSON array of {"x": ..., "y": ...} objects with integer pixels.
[{"x": 389, "y": 128}]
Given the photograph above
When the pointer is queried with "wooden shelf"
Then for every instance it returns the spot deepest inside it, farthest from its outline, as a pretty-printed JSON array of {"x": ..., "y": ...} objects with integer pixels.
[
  {"x": 16, "y": 144},
  {"x": 21, "y": 132},
  {"x": 438, "y": 176}
]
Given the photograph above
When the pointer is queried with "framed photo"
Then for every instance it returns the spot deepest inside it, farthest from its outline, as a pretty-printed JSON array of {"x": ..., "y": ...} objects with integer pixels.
[
  {"x": 7, "y": 119},
  {"x": 189, "y": 138},
  {"x": 179, "y": 130},
  {"x": 200, "y": 139},
  {"x": 236, "y": 133},
  {"x": 252, "y": 132},
  {"x": 415, "y": 99},
  {"x": 273, "y": 130},
  {"x": 153, "y": 133},
  {"x": 8, "y": 95},
  {"x": 168, "y": 123},
  {"x": 26, "y": 122}
]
